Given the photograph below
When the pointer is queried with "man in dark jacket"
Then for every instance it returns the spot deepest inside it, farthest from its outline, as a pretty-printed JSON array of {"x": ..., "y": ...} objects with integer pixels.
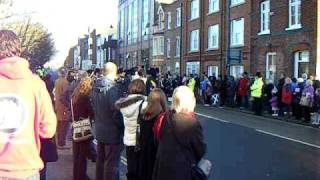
[{"x": 109, "y": 124}]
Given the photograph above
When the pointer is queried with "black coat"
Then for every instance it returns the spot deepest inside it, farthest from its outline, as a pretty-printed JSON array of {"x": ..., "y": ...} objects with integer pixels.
[{"x": 180, "y": 146}]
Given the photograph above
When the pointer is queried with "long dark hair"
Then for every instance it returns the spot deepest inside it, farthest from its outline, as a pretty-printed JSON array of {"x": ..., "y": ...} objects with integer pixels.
[{"x": 157, "y": 103}]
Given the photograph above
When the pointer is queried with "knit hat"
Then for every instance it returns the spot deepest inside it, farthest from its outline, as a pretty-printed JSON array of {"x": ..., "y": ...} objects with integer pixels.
[{"x": 300, "y": 80}]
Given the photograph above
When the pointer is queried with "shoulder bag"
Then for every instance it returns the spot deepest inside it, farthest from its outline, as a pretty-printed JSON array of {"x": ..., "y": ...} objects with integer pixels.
[
  {"x": 137, "y": 148},
  {"x": 81, "y": 128}
]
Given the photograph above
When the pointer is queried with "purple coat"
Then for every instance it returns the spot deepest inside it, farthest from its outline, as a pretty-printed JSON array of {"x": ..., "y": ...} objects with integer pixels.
[
  {"x": 274, "y": 102},
  {"x": 309, "y": 92}
]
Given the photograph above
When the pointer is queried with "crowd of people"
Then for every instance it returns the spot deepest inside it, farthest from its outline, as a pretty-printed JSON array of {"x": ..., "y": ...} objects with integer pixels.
[
  {"x": 297, "y": 98},
  {"x": 129, "y": 111}
]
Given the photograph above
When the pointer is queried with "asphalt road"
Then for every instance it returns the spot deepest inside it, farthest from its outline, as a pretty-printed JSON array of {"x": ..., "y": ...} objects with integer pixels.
[
  {"x": 241, "y": 147},
  {"x": 244, "y": 152}
]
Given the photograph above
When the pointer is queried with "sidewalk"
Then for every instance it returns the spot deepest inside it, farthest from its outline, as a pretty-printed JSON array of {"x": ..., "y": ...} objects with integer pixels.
[{"x": 62, "y": 169}]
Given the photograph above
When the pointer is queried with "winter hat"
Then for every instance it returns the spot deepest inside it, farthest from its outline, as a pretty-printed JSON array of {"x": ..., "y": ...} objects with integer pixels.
[
  {"x": 258, "y": 74},
  {"x": 300, "y": 80}
]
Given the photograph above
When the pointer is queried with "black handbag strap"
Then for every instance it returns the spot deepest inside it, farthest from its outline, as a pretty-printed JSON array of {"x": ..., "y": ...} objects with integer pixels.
[{"x": 139, "y": 119}]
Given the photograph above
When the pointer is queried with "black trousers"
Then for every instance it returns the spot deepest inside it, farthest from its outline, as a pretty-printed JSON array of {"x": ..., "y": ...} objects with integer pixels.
[
  {"x": 257, "y": 106},
  {"x": 81, "y": 150},
  {"x": 306, "y": 113},
  {"x": 133, "y": 159}
]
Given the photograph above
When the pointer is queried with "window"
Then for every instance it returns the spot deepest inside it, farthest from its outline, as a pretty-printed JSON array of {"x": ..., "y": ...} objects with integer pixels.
[
  {"x": 236, "y": 71},
  {"x": 213, "y": 6},
  {"x": 301, "y": 63},
  {"x": 178, "y": 46},
  {"x": 213, "y": 37},
  {"x": 168, "y": 48},
  {"x": 271, "y": 67},
  {"x": 129, "y": 24},
  {"x": 178, "y": 17},
  {"x": 294, "y": 14},
  {"x": 192, "y": 67},
  {"x": 161, "y": 21},
  {"x": 158, "y": 46},
  {"x": 194, "y": 9},
  {"x": 265, "y": 17},
  {"x": 213, "y": 71},
  {"x": 145, "y": 18},
  {"x": 169, "y": 20},
  {"x": 194, "y": 40},
  {"x": 236, "y": 2},
  {"x": 134, "y": 17},
  {"x": 237, "y": 32}
]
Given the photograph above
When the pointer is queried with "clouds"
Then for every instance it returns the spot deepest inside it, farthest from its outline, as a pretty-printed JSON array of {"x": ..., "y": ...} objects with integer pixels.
[{"x": 69, "y": 19}]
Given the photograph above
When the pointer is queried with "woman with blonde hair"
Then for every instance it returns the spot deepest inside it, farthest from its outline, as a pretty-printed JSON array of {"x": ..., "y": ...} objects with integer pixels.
[
  {"x": 81, "y": 109},
  {"x": 157, "y": 103},
  {"x": 180, "y": 139}
]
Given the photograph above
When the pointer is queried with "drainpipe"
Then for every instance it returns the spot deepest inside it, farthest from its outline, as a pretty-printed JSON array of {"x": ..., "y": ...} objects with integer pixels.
[{"x": 229, "y": 36}]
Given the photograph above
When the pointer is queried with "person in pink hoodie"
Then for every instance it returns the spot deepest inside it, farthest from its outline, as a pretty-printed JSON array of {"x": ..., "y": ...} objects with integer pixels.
[{"x": 26, "y": 113}]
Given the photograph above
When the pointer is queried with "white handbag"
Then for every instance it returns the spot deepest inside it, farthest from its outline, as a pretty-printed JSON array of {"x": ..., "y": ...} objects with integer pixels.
[{"x": 81, "y": 128}]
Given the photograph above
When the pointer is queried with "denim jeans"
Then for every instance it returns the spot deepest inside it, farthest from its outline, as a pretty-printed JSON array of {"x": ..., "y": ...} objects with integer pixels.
[{"x": 108, "y": 161}]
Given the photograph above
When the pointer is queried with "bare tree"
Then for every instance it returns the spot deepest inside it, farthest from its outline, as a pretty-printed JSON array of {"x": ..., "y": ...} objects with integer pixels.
[{"x": 36, "y": 43}]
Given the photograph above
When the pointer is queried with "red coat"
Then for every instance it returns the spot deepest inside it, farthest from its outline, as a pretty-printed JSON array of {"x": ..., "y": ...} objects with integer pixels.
[
  {"x": 286, "y": 95},
  {"x": 243, "y": 87}
]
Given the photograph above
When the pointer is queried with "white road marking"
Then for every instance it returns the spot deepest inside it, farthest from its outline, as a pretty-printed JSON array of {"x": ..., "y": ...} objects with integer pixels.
[
  {"x": 124, "y": 161},
  {"x": 287, "y": 138},
  {"x": 210, "y": 117}
]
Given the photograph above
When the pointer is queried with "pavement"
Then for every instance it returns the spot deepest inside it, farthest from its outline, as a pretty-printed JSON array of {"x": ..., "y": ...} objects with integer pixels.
[{"x": 241, "y": 146}]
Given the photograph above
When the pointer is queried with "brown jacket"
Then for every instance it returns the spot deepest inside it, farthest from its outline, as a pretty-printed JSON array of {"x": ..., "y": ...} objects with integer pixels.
[{"x": 61, "y": 107}]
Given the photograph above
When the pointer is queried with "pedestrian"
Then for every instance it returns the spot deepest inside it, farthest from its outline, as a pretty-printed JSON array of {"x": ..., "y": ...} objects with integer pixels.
[
  {"x": 297, "y": 94},
  {"x": 132, "y": 108},
  {"x": 62, "y": 107},
  {"x": 109, "y": 124},
  {"x": 280, "y": 85},
  {"x": 26, "y": 113},
  {"x": 223, "y": 90},
  {"x": 231, "y": 91},
  {"x": 274, "y": 102},
  {"x": 256, "y": 93},
  {"x": 191, "y": 83},
  {"x": 287, "y": 96},
  {"x": 157, "y": 104},
  {"x": 268, "y": 94},
  {"x": 82, "y": 109},
  {"x": 242, "y": 90},
  {"x": 307, "y": 101},
  {"x": 203, "y": 86},
  {"x": 180, "y": 139}
]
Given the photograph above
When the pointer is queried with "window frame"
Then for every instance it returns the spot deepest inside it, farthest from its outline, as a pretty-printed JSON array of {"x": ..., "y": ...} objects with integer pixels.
[
  {"x": 234, "y": 3},
  {"x": 211, "y": 2},
  {"x": 178, "y": 17},
  {"x": 215, "y": 30},
  {"x": 265, "y": 12},
  {"x": 194, "y": 36},
  {"x": 298, "y": 5},
  {"x": 193, "y": 8},
  {"x": 169, "y": 20},
  {"x": 168, "y": 46},
  {"x": 178, "y": 48},
  {"x": 232, "y": 43}
]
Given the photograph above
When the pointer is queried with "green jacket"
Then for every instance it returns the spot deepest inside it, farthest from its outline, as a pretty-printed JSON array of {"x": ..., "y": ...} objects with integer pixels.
[
  {"x": 192, "y": 84},
  {"x": 256, "y": 88}
]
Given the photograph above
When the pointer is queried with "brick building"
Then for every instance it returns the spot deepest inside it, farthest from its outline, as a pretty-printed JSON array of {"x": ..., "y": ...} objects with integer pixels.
[
  {"x": 207, "y": 45},
  {"x": 172, "y": 36},
  {"x": 134, "y": 32},
  {"x": 284, "y": 38}
]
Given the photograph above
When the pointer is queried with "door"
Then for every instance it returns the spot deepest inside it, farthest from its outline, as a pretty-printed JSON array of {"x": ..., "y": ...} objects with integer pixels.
[
  {"x": 271, "y": 67},
  {"x": 301, "y": 63}
]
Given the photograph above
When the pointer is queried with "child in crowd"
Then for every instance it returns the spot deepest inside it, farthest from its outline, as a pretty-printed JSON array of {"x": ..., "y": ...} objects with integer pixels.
[{"x": 274, "y": 102}]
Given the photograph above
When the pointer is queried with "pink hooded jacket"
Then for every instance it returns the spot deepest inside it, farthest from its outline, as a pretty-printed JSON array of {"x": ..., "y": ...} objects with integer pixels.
[{"x": 26, "y": 114}]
